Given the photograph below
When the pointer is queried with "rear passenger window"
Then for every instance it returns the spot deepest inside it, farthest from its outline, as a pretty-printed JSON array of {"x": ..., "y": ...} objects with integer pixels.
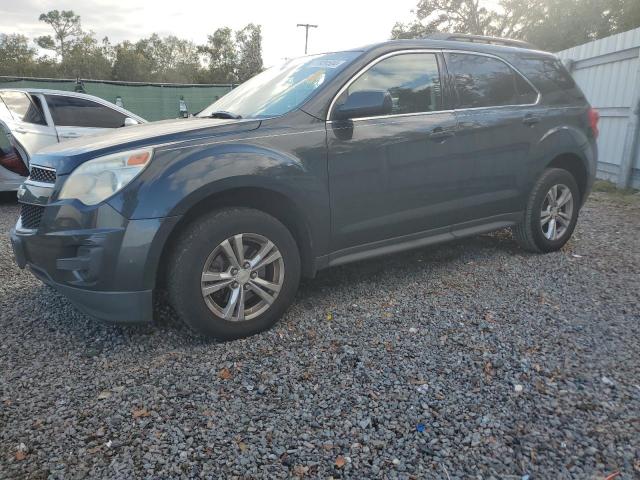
[
  {"x": 482, "y": 81},
  {"x": 412, "y": 79},
  {"x": 551, "y": 78},
  {"x": 78, "y": 112},
  {"x": 22, "y": 108}
]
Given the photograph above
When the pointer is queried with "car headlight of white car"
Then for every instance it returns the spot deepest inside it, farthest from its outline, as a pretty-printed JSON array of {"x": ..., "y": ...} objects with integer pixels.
[{"x": 96, "y": 180}]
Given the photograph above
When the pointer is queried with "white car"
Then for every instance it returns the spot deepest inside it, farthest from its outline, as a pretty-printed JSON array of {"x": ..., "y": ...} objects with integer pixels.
[{"x": 31, "y": 119}]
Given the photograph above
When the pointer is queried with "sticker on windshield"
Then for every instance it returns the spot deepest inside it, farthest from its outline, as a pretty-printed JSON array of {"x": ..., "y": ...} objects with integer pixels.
[
  {"x": 316, "y": 78},
  {"x": 326, "y": 63}
]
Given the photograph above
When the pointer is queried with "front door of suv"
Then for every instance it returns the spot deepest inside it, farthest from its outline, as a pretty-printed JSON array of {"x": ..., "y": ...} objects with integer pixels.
[
  {"x": 497, "y": 125},
  {"x": 392, "y": 175}
]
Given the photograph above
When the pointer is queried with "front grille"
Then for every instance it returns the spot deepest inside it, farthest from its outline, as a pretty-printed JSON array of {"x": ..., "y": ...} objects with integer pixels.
[
  {"x": 42, "y": 175},
  {"x": 30, "y": 216}
]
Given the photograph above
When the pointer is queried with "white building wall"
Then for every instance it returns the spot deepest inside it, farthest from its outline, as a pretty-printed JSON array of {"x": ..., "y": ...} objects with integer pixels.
[{"x": 608, "y": 71}]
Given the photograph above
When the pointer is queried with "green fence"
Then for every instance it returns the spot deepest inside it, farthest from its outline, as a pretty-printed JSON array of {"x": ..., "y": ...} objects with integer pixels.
[{"x": 152, "y": 101}]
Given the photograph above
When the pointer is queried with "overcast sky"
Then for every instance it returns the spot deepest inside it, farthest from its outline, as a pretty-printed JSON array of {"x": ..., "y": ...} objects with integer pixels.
[{"x": 341, "y": 23}]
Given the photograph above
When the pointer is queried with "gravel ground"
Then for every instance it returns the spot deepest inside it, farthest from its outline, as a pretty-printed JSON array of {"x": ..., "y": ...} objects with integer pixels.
[{"x": 466, "y": 360}]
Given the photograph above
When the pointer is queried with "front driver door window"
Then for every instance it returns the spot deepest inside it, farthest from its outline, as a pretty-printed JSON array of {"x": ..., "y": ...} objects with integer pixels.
[
  {"x": 75, "y": 117},
  {"x": 413, "y": 80},
  {"x": 390, "y": 175}
]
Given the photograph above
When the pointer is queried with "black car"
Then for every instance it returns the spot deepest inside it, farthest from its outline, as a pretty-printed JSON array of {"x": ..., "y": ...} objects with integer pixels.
[{"x": 323, "y": 160}]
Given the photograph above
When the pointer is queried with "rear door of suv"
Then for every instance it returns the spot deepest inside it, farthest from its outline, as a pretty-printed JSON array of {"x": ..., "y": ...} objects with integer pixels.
[{"x": 497, "y": 125}]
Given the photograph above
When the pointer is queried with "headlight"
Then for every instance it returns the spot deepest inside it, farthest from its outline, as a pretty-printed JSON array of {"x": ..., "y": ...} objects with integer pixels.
[{"x": 98, "y": 179}]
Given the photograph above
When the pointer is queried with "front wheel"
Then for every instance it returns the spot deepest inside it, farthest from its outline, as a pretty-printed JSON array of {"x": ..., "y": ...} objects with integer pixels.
[
  {"x": 551, "y": 213},
  {"x": 233, "y": 273}
]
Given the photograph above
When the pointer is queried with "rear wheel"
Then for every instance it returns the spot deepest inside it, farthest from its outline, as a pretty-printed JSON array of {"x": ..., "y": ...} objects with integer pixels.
[
  {"x": 233, "y": 273},
  {"x": 551, "y": 213}
]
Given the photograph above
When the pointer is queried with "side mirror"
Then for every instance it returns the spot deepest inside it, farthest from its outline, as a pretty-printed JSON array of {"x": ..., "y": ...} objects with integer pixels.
[
  {"x": 128, "y": 122},
  {"x": 365, "y": 103}
]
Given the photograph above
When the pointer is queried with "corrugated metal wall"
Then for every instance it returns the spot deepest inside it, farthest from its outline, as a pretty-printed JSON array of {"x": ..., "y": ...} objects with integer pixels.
[
  {"x": 608, "y": 71},
  {"x": 150, "y": 101}
]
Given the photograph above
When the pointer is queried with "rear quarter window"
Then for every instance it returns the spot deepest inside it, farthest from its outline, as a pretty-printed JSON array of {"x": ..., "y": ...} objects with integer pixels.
[
  {"x": 550, "y": 77},
  {"x": 23, "y": 108}
]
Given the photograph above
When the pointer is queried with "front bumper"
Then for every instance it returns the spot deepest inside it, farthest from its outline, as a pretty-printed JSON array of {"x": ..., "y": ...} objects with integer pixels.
[
  {"x": 104, "y": 263},
  {"x": 121, "y": 307}
]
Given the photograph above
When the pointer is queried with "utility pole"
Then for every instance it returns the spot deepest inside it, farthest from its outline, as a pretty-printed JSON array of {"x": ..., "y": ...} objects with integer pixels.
[{"x": 306, "y": 26}]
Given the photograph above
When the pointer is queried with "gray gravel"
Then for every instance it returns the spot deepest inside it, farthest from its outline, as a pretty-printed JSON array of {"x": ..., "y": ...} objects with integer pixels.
[{"x": 467, "y": 360}]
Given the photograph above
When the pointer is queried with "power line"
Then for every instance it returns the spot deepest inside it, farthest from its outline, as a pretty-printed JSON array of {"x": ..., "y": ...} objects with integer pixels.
[{"x": 306, "y": 26}]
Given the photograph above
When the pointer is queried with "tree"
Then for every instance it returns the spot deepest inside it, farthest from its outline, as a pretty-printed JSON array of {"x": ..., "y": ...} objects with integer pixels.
[
  {"x": 626, "y": 14},
  {"x": 86, "y": 58},
  {"x": 131, "y": 64},
  {"x": 16, "y": 56},
  {"x": 468, "y": 16},
  {"x": 549, "y": 24},
  {"x": 230, "y": 58},
  {"x": 566, "y": 23},
  {"x": 66, "y": 28},
  {"x": 221, "y": 55},
  {"x": 249, "y": 46},
  {"x": 172, "y": 59}
]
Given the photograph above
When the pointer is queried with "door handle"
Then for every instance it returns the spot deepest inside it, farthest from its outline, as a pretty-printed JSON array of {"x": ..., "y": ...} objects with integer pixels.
[
  {"x": 70, "y": 135},
  {"x": 20, "y": 130},
  {"x": 530, "y": 120},
  {"x": 439, "y": 134}
]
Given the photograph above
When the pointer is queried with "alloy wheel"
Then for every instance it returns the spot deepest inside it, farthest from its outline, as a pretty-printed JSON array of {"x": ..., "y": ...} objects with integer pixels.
[
  {"x": 242, "y": 277},
  {"x": 557, "y": 212}
]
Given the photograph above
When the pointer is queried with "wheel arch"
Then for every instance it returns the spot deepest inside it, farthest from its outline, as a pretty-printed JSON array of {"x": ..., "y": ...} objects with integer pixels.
[
  {"x": 569, "y": 148},
  {"x": 270, "y": 201},
  {"x": 575, "y": 165}
]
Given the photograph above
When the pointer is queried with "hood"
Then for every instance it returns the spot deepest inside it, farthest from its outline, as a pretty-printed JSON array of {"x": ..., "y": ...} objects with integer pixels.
[{"x": 67, "y": 155}]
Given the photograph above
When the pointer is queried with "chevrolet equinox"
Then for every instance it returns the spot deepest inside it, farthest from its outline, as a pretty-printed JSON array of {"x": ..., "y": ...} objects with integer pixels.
[{"x": 319, "y": 161}]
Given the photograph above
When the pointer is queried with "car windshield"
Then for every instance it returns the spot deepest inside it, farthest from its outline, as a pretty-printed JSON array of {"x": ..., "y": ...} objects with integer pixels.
[{"x": 281, "y": 88}]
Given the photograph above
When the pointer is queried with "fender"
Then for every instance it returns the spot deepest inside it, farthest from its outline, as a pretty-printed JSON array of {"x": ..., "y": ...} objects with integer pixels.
[
  {"x": 179, "y": 179},
  {"x": 560, "y": 140}
]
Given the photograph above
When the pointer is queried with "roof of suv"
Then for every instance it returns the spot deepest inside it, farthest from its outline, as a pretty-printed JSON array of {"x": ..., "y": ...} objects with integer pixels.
[{"x": 455, "y": 45}]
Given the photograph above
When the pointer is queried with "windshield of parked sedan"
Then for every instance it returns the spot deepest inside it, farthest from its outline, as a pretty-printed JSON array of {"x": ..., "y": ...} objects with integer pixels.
[{"x": 282, "y": 88}]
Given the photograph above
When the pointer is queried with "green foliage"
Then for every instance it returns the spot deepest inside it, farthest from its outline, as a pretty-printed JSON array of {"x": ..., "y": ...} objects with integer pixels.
[
  {"x": 550, "y": 24},
  {"x": 66, "y": 28},
  {"x": 131, "y": 64},
  {"x": 233, "y": 60},
  {"x": 249, "y": 45},
  {"x": 86, "y": 58},
  {"x": 16, "y": 56},
  {"x": 227, "y": 57},
  {"x": 221, "y": 56}
]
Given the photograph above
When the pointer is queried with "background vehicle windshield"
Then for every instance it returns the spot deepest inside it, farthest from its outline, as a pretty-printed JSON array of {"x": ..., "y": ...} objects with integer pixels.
[{"x": 282, "y": 88}]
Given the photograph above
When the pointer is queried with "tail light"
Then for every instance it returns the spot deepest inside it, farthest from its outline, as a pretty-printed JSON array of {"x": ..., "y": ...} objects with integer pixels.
[
  {"x": 10, "y": 158},
  {"x": 12, "y": 161},
  {"x": 594, "y": 117}
]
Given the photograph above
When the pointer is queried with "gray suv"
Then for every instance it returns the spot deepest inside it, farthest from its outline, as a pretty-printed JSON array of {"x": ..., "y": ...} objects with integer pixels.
[{"x": 320, "y": 161}]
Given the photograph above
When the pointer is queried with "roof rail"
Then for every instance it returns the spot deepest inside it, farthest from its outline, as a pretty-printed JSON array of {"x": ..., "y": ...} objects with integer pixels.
[{"x": 465, "y": 37}]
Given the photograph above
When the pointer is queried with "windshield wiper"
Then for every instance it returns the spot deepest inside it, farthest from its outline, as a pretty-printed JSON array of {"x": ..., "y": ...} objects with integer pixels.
[{"x": 223, "y": 114}]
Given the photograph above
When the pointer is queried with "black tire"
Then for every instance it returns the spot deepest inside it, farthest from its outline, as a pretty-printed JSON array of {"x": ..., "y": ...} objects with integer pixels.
[
  {"x": 529, "y": 233},
  {"x": 193, "y": 249}
]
